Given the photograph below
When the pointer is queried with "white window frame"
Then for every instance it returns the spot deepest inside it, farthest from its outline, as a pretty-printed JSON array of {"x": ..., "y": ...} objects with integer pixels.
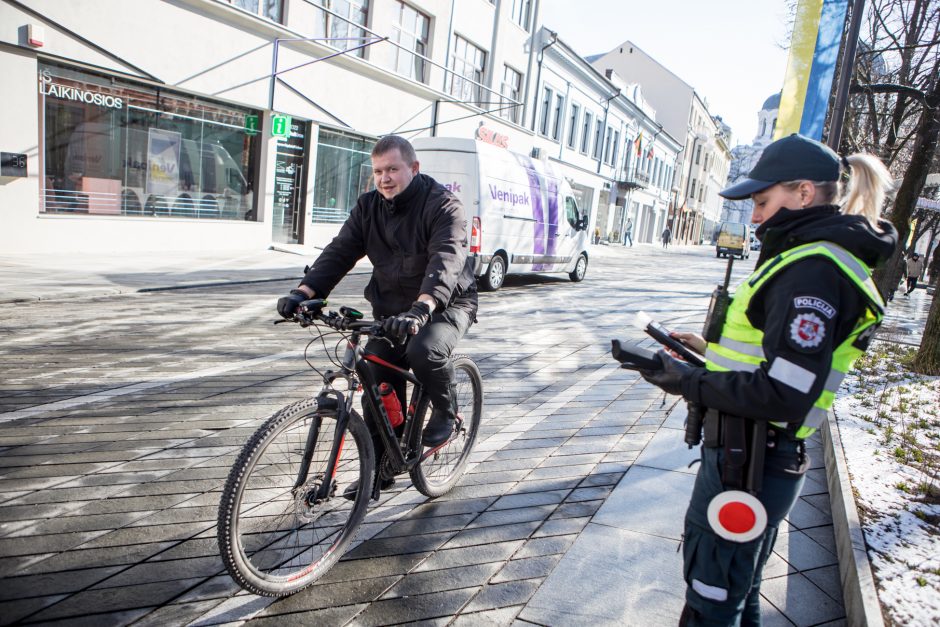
[
  {"x": 262, "y": 8},
  {"x": 337, "y": 28},
  {"x": 586, "y": 132},
  {"x": 545, "y": 114},
  {"x": 573, "y": 125},
  {"x": 419, "y": 42},
  {"x": 467, "y": 63},
  {"x": 558, "y": 115},
  {"x": 510, "y": 91},
  {"x": 522, "y": 13}
]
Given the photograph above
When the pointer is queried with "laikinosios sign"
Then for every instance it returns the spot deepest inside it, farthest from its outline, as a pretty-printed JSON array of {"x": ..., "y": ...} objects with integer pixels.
[{"x": 66, "y": 92}]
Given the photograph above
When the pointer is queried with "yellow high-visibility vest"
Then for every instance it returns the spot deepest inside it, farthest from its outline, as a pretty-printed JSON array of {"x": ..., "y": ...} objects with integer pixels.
[{"x": 740, "y": 347}]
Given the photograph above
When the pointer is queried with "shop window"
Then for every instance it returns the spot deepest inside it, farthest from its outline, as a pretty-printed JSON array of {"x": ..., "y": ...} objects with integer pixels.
[
  {"x": 112, "y": 147},
  {"x": 344, "y": 171}
]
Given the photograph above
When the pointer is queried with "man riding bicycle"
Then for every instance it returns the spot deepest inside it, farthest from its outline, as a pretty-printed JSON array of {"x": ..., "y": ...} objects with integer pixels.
[{"x": 414, "y": 232}]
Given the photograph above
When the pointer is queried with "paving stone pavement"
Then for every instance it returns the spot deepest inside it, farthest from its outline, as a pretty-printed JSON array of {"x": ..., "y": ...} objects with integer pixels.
[{"x": 120, "y": 417}]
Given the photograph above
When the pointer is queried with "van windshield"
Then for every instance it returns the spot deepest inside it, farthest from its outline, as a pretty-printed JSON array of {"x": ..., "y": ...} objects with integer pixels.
[{"x": 733, "y": 229}]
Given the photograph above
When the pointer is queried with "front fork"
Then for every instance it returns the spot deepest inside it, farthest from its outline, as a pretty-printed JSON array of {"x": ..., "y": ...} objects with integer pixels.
[{"x": 329, "y": 400}]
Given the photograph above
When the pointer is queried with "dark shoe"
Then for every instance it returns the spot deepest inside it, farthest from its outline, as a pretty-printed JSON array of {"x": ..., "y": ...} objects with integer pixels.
[
  {"x": 353, "y": 488},
  {"x": 439, "y": 428}
]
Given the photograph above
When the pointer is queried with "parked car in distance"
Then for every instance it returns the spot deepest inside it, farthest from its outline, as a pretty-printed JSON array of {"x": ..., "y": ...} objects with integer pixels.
[{"x": 733, "y": 240}]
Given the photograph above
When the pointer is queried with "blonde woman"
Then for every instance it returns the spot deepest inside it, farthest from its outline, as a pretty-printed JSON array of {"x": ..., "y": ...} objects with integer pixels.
[{"x": 774, "y": 361}]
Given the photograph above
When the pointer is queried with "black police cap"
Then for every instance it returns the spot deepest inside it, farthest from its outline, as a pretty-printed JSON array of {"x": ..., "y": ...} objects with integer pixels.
[{"x": 793, "y": 158}]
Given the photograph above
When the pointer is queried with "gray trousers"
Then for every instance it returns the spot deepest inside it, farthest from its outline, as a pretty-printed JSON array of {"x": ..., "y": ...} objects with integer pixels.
[{"x": 723, "y": 577}]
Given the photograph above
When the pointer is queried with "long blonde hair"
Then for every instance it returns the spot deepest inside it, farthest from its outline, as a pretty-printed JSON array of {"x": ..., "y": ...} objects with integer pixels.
[{"x": 868, "y": 185}]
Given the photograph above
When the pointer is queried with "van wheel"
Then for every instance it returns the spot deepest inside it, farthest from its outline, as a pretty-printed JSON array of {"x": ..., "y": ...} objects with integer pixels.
[
  {"x": 580, "y": 269},
  {"x": 495, "y": 273}
]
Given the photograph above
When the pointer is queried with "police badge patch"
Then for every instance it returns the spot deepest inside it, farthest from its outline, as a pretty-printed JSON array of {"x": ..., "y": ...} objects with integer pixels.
[{"x": 807, "y": 330}]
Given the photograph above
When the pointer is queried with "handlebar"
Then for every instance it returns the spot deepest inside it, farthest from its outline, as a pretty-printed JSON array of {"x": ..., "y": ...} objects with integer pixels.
[{"x": 346, "y": 319}]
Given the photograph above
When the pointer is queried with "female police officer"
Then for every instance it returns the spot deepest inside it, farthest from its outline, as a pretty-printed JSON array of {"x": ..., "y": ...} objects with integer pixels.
[{"x": 791, "y": 332}]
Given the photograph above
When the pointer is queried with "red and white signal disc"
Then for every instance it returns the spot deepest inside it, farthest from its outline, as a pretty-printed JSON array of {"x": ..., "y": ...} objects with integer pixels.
[{"x": 737, "y": 516}]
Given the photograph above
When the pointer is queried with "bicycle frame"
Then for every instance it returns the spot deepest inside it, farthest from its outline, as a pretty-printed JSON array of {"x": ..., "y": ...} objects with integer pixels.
[{"x": 358, "y": 375}]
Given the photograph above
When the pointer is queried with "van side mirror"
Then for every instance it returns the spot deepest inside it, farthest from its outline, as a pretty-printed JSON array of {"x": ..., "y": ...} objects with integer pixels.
[{"x": 582, "y": 223}]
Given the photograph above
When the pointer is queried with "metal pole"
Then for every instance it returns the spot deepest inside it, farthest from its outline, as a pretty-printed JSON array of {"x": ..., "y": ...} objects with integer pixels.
[{"x": 845, "y": 76}]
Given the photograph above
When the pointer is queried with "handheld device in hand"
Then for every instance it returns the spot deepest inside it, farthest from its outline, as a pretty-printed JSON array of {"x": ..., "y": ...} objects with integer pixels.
[
  {"x": 634, "y": 357},
  {"x": 661, "y": 334}
]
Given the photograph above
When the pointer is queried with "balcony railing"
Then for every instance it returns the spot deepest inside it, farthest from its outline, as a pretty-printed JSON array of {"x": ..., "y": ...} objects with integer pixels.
[{"x": 634, "y": 180}]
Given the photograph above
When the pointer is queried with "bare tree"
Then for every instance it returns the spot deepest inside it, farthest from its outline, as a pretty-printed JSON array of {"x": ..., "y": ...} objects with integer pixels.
[{"x": 895, "y": 114}]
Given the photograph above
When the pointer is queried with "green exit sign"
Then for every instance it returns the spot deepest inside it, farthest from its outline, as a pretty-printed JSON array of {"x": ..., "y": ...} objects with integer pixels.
[
  {"x": 252, "y": 124},
  {"x": 280, "y": 125}
]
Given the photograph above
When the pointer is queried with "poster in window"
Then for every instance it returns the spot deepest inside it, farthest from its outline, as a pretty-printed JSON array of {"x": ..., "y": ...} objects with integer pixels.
[{"x": 163, "y": 160}]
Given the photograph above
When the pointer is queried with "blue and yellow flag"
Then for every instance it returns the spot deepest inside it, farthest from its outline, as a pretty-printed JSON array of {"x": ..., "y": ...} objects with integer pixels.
[{"x": 814, "y": 49}]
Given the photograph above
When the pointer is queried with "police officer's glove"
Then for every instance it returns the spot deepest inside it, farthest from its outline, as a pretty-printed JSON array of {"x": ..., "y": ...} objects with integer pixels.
[
  {"x": 669, "y": 378},
  {"x": 287, "y": 305},
  {"x": 409, "y": 322}
]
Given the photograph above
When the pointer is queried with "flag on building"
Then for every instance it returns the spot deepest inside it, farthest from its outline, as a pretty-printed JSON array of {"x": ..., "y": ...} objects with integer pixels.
[
  {"x": 814, "y": 49},
  {"x": 649, "y": 153},
  {"x": 638, "y": 142}
]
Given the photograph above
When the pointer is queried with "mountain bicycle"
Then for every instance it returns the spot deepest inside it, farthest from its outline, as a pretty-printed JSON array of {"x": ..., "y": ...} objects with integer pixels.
[{"x": 283, "y": 517}]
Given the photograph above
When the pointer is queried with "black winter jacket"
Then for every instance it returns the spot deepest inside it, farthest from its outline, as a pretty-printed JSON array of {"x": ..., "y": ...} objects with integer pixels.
[
  {"x": 812, "y": 286},
  {"x": 417, "y": 243}
]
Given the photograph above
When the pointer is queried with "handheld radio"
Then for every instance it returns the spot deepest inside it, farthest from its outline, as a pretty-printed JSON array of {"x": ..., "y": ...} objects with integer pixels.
[{"x": 718, "y": 308}]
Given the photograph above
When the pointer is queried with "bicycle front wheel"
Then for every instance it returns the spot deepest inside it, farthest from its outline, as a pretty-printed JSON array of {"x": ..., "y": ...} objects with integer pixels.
[
  {"x": 441, "y": 469},
  {"x": 275, "y": 538}
]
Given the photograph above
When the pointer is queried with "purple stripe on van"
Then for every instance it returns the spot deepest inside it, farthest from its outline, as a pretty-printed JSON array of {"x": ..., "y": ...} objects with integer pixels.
[
  {"x": 552, "y": 216},
  {"x": 535, "y": 189}
]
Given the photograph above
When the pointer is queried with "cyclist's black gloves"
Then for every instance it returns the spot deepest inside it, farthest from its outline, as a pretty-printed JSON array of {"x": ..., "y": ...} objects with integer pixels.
[
  {"x": 669, "y": 379},
  {"x": 409, "y": 322},
  {"x": 287, "y": 305}
]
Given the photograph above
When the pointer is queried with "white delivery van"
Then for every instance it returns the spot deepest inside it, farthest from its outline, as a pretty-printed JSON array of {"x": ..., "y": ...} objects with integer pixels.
[{"x": 522, "y": 215}]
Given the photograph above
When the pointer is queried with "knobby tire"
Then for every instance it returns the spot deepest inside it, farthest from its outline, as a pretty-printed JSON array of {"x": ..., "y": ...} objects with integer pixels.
[
  {"x": 437, "y": 474},
  {"x": 272, "y": 539}
]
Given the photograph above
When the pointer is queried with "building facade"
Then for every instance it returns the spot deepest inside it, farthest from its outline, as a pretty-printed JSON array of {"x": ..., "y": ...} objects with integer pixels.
[
  {"x": 704, "y": 156},
  {"x": 604, "y": 136},
  {"x": 198, "y": 124},
  {"x": 232, "y": 124},
  {"x": 745, "y": 156}
]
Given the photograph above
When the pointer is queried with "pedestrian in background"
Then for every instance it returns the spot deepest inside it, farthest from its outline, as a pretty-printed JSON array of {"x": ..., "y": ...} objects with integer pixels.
[
  {"x": 915, "y": 267},
  {"x": 666, "y": 236},
  {"x": 628, "y": 232},
  {"x": 775, "y": 360}
]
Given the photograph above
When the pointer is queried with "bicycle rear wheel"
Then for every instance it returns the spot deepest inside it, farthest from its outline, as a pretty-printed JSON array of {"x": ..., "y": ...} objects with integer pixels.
[
  {"x": 275, "y": 539},
  {"x": 438, "y": 472}
]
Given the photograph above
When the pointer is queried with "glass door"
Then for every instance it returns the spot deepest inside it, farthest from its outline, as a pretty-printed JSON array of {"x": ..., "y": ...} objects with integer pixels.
[{"x": 290, "y": 185}]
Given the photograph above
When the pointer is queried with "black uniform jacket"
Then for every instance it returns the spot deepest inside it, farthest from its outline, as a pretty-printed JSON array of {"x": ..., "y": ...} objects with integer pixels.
[
  {"x": 805, "y": 312},
  {"x": 417, "y": 243}
]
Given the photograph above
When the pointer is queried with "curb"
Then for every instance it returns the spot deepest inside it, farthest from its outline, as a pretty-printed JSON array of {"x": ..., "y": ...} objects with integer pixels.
[{"x": 858, "y": 585}]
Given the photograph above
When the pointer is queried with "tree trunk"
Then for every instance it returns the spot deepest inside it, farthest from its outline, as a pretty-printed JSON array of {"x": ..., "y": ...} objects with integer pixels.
[
  {"x": 927, "y": 360},
  {"x": 922, "y": 156}
]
